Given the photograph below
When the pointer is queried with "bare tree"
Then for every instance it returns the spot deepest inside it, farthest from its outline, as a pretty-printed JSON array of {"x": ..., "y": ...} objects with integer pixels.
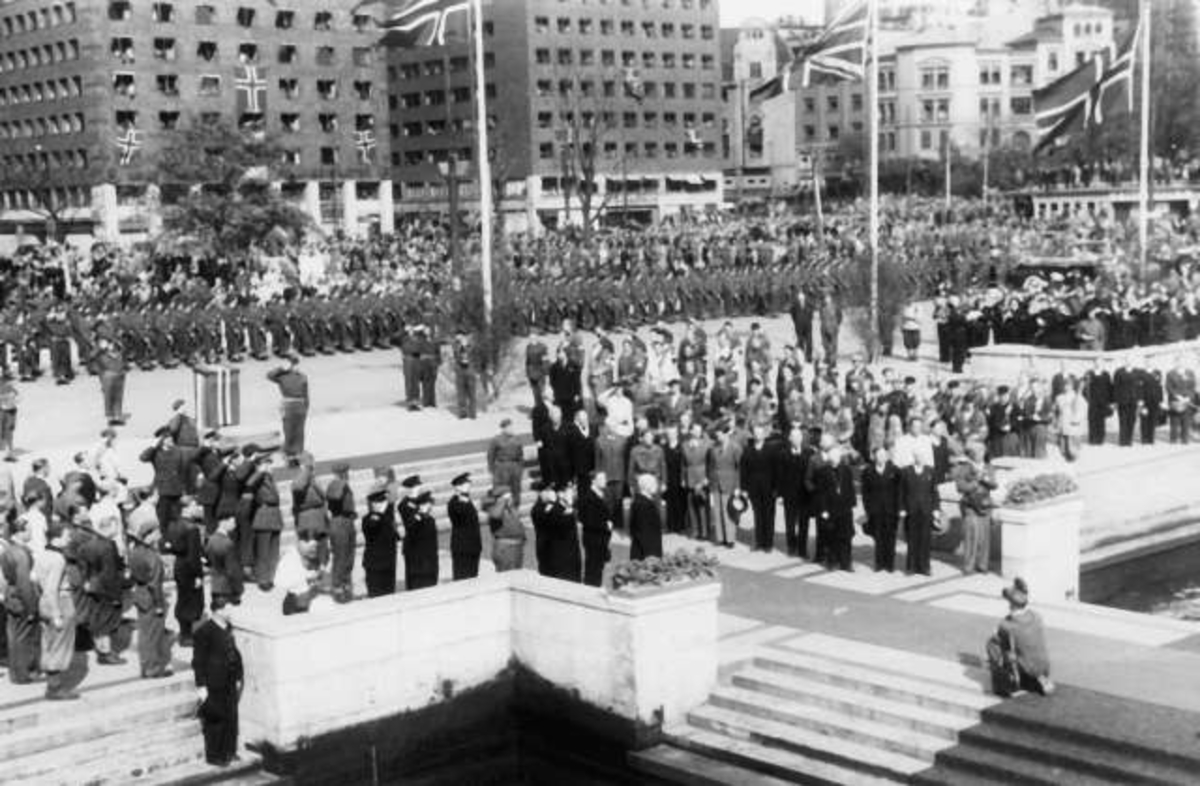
[{"x": 587, "y": 101}]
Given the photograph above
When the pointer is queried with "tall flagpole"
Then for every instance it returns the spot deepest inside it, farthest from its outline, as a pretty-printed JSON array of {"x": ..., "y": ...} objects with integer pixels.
[
  {"x": 485, "y": 164},
  {"x": 1144, "y": 163},
  {"x": 873, "y": 92}
]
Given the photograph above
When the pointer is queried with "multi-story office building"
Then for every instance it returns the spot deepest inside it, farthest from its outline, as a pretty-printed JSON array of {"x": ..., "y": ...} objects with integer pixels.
[
  {"x": 622, "y": 95},
  {"x": 91, "y": 92},
  {"x": 964, "y": 85}
]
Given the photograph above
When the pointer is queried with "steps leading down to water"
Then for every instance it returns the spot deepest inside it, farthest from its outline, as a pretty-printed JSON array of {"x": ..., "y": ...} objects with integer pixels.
[
  {"x": 1075, "y": 737},
  {"x": 130, "y": 732},
  {"x": 817, "y": 709}
]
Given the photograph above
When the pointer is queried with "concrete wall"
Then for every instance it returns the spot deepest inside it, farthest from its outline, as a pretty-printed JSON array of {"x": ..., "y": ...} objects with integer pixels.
[
  {"x": 1008, "y": 361},
  {"x": 646, "y": 659}
]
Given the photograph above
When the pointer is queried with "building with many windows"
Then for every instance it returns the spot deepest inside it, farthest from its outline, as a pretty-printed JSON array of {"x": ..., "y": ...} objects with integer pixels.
[
  {"x": 967, "y": 85},
  {"x": 91, "y": 91},
  {"x": 619, "y": 97}
]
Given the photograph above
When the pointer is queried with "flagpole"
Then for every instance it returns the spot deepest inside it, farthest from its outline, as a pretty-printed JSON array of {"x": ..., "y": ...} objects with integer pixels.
[
  {"x": 873, "y": 92},
  {"x": 1144, "y": 153},
  {"x": 484, "y": 165}
]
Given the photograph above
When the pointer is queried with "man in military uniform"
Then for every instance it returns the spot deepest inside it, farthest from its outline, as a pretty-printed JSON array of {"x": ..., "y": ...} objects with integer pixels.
[
  {"x": 293, "y": 388},
  {"x": 506, "y": 460},
  {"x": 429, "y": 358},
  {"x": 110, "y": 365}
]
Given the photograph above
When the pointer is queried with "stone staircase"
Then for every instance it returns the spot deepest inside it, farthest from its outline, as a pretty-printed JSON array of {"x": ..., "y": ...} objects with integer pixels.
[
  {"x": 131, "y": 731},
  {"x": 1075, "y": 738},
  {"x": 818, "y": 709}
]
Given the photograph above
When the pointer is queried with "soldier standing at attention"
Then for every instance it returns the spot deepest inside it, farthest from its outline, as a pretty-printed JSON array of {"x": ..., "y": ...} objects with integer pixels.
[
  {"x": 146, "y": 570},
  {"x": 293, "y": 387},
  {"x": 421, "y": 545},
  {"x": 410, "y": 352},
  {"x": 430, "y": 359},
  {"x": 506, "y": 460},
  {"x": 381, "y": 536},
  {"x": 466, "y": 545},
  {"x": 465, "y": 375}
]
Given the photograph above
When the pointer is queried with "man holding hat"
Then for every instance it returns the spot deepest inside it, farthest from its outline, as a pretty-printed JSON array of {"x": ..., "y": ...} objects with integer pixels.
[
  {"x": 421, "y": 545},
  {"x": 146, "y": 572},
  {"x": 380, "y": 537},
  {"x": 1017, "y": 654},
  {"x": 466, "y": 545},
  {"x": 506, "y": 460},
  {"x": 293, "y": 388}
]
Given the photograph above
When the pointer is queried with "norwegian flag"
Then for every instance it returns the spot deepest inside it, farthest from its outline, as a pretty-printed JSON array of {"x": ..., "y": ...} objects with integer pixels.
[
  {"x": 364, "y": 142},
  {"x": 128, "y": 145},
  {"x": 251, "y": 89},
  {"x": 419, "y": 23}
]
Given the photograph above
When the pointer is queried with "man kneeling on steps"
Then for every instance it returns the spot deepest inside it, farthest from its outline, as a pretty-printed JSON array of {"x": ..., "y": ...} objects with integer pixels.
[{"x": 1017, "y": 654}]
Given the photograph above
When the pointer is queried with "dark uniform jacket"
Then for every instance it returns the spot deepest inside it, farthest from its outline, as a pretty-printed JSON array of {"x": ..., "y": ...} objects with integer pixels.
[
  {"x": 216, "y": 662},
  {"x": 169, "y": 469},
  {"x": 380, "y": 537},
  {"x": 464, "y": 526}
]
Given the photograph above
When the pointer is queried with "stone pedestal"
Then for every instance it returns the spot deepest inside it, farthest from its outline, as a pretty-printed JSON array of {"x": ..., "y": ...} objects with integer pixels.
[{"x": 1040, "y": 543}]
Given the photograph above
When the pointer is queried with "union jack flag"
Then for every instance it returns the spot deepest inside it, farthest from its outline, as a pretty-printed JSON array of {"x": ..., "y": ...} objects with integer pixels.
[
  {"x": 1078, "y": 100},
  {"x": 840, "y": 51},
  {"x": 418, "y": 23},
  {"x": 128, "y": 144},
  {"x": 365, "y": 142}
]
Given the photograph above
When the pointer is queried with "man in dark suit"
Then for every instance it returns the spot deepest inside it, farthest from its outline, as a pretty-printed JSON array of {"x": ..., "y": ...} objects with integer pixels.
[
  {"x": 1126, "y": 393},
  {"x": 645, "y": 522},
  {"x": 919, "y": 503},
  {"x": 581, "y": 449},
  {"x": 217, "y": 666},
  {"x": 834, "y": 483},
  {"x": 795, "y": 463},
  {"x": 881, "y": 502},
  {"x": 1151, "y": 385},
  {"x": 758, "y": 481},
  {"x": 595, "y": 518},
  {"x": 1098, "y": 390},
  {"x": 169, "y": 479},
  {"x": 466, "y": 544}
]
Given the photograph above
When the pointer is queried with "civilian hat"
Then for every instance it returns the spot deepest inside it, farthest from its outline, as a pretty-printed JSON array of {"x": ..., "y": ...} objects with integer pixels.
[
  {"x": 1018, "y": 593},
  {"x": 737, "y": 505},
  {"x": 411, "y": 482}
]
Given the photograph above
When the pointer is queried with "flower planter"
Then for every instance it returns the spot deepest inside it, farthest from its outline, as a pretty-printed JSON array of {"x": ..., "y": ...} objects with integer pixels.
[
  {"x": 635, "y": 591},
  {"x": 1040, "y": 543}
]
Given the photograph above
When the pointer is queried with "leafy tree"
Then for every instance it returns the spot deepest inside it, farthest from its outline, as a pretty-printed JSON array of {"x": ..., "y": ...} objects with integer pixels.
[{"x": 230, "y": 207}]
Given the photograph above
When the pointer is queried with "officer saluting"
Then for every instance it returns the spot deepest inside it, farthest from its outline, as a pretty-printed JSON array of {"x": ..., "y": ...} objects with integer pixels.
[{"x": 293, "y": 387}]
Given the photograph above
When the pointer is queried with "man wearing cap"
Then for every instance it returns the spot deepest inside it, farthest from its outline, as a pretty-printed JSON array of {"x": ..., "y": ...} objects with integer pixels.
[
  {"x": 380, "y": 537},
  {"x": 293, "y": 388},
  {"x": 188, "y": 571},
  {"x": 309, "y": 513},
  {"x": 168, "y": 464},
  {"x": 466, "y": 377},
  {"x": 21, "y": 606},
  {"x": 182, "y": 428},
  {"x": 421, "y": 545},
  {"x": 343, "y": 538},
  {"x": 466, "y": 544},
  {"x": 506, "y": 460},
  {"x": 267, "y": 523},
  {"x": 410, "y": 353},
  {"x": 108, "y": 362},
  {"x": 508, "y": 533},
  {"x": 427, "y": 366},
  {"x": 211, "y": 466},
  {"x": 1020, "y": 642},
  {"x": 217, "y": 667},
  {"x": 146, "y": 572}
]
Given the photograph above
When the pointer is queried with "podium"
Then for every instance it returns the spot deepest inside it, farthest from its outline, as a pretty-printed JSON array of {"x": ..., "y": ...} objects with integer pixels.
[{"x": 218, "y": 396}]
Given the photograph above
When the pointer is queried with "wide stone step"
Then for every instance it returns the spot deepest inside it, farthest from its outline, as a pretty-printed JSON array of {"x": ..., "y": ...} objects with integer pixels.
[
  {"x": 27, "y": 715},
  {"x": 835, "y": 750},
  {"x": 247, "y": 771},
  {"x": 858, "y": 704},
  {"x": 912, "y": 665},
  {"x": 830, "y": 723},
  {"x": 104, "y": 721},
  {"x": 131, "y": 753},
  {"x": 941, "y": 698},
  {"x": 768, "y": 760},
  {"x": 671, "y": 764},
  {"x": 1014, "y": 770},
  {"x": 1099, "y": 760}
]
